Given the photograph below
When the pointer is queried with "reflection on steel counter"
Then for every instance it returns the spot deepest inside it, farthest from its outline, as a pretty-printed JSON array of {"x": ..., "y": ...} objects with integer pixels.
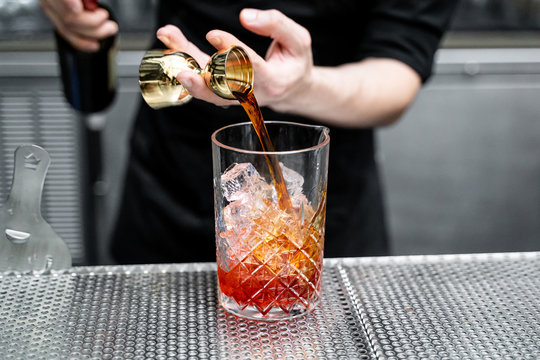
[{"x": 451, "y": 306}]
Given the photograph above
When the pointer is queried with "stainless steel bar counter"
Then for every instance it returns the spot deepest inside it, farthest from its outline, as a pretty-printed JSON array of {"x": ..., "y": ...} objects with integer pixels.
[{"x": 482, "y": 306}]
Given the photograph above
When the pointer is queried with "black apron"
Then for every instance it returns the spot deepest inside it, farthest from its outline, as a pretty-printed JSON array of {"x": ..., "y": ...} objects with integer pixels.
[{"x": 166, "y": 214}]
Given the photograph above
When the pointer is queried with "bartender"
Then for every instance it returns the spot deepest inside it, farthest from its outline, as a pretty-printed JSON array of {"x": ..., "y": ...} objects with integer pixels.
[{"x": 350, "y": 65}]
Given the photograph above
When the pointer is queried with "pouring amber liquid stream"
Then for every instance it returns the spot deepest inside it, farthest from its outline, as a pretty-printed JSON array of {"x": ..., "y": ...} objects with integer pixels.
[{"x": 249, "y": 103}]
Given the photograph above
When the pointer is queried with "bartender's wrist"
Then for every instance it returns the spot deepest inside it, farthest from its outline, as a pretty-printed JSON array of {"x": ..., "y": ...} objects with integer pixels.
[{"x": 302, "y": 97}]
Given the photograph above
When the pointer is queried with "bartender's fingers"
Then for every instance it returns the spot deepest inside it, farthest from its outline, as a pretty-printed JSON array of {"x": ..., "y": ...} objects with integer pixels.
[
  {"x": 79, "y": 27},
  {"x": 174, "y": 39},
  {"x": 87, "y": 40},
  {"x": 88, "y": 25},
  {"x": 222, "y": 40},
  {"x": 71, "y": 16},
  {"x": 62, "y": 6},
  {"x": 78, "y": 42},
  {"x": 196, "y": 86},
  {"x": 92, "y": 23},
  {"x": 272, "y": 23}
]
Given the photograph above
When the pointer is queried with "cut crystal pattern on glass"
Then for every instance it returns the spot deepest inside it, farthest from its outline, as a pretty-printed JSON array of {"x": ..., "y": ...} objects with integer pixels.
[
  {"x": 270, "y": 210},
  {"x": 269, "y": 259}
]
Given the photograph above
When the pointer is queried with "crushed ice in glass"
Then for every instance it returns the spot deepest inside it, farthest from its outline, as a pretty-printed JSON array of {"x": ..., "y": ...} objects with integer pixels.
[
  {"x": 293, "y": 180},
  {"x": 243, "y": 181}
]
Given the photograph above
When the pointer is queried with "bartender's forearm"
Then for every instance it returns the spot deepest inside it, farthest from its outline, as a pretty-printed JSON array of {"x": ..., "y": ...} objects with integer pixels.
[{"x": 373, "y": 92}]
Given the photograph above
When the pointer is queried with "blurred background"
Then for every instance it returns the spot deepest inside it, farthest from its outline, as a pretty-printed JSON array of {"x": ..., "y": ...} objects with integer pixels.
[{"x": 461, "y": 170}]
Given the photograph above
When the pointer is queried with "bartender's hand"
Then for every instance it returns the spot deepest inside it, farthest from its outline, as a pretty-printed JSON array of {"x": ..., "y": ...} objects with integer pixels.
[
  {"x": 81, "y": 28},
  {"x": 371, "y": 92},
  {"x": 285, "y": 70}
]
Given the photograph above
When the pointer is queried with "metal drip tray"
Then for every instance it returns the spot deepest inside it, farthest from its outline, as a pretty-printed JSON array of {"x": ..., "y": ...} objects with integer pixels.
[{"x": 437, "y": 307}]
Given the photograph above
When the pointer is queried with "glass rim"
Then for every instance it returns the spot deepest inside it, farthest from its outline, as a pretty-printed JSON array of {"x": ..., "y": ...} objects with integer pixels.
[{"x": 323, "y": 143}]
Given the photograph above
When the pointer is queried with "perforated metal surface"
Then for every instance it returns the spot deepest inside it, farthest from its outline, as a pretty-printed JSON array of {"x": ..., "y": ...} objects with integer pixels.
[
  {"x": 453, "y": 307},
  {"x": 474, "y": 306}
]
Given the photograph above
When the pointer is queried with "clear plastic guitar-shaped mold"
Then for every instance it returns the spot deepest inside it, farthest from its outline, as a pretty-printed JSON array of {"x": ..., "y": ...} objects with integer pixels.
[{"x": 28, "y": 244}]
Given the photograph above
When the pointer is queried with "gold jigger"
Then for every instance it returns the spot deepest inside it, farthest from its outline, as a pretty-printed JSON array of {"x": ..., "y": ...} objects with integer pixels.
[{"x": 227, "y": 71}]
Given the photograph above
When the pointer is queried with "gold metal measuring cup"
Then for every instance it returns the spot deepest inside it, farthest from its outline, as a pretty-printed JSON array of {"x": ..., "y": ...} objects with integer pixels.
[{"x": 227, "y": 71}]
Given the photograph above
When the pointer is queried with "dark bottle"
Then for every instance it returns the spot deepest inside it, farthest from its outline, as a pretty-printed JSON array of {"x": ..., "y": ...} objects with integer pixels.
[{"x": 89, "y": 78}]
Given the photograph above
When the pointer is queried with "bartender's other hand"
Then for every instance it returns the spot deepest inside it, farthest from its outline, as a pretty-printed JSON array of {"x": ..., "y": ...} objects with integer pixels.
[
  {"x": 279, "y": 78},
  {"x": 81, "y": 28}
]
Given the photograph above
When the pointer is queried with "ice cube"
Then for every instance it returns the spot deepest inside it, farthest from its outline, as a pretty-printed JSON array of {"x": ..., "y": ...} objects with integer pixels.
[
  {"x": 236, "y": 214},
  {"x": 293, "y": 180},
  {"x": 240, "y": 179},
  {"x": 248, "y": 195}
]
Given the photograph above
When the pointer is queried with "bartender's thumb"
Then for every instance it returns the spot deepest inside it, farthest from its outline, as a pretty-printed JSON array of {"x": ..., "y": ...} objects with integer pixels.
[{"x": 274, "y": 24}]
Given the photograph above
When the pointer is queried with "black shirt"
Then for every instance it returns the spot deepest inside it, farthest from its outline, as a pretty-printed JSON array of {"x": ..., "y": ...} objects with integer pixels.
[{"x": 167, "y": 214}]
